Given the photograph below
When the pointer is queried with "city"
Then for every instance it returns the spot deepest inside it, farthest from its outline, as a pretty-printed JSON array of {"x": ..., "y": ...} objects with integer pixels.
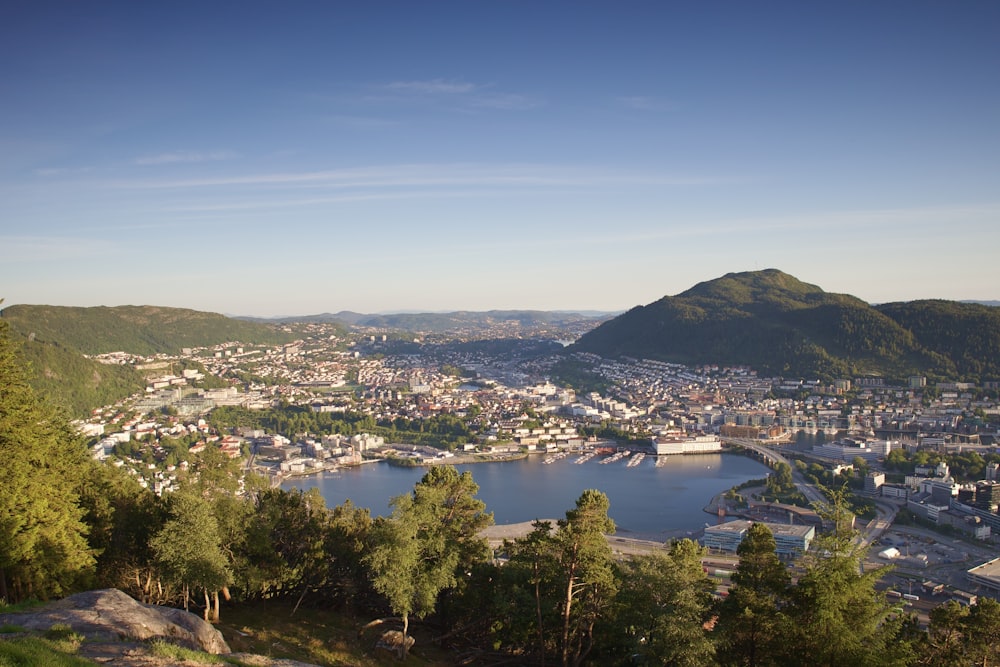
[{"x": 889, "y": 443}]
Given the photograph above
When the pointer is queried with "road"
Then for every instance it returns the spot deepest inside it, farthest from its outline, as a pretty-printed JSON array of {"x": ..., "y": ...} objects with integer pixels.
[{"x": 808, "y": 489}]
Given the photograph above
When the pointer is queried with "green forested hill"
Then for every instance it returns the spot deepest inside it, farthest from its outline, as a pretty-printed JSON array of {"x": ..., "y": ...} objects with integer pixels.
[
  {"x": 773, "y": 322},
  {"x": 74, "y": 382},
  {"x": 56, "y": 338},
  {"x": 135, "y": 329},
  {"x": 967, "y": 334}
]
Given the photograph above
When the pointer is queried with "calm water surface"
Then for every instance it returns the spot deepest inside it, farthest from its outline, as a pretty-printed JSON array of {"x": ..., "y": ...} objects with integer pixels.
[{"x": 648, "y": 501}]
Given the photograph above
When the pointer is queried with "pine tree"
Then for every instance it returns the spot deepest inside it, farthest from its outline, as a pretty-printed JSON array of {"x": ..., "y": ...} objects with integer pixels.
[
  {"x": 585, "y": 573},
  {"x": 663, "y": 605},
  {"x": 752, "y": 619},
  {"x": 43, "y": 545}
]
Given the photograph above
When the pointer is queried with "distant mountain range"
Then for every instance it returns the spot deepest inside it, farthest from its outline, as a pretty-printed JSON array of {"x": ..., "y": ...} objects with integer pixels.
[
  {"x": 778, "y": 325},
  {"x": 453, "y": 321},
  {"x": 767, "y": 320}
]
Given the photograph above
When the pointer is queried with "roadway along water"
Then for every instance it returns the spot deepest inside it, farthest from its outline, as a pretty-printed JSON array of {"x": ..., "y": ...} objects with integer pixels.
[{"x": 646, "y": 501}]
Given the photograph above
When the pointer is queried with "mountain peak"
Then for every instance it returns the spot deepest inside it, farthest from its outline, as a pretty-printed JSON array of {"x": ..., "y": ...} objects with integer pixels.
[{"x": 754, "y": 286}]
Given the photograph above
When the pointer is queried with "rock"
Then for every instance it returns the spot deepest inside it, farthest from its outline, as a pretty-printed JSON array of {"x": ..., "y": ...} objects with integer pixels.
[
  {"x": 393, "y": 642},
  {"x": 111, "y": 615}
]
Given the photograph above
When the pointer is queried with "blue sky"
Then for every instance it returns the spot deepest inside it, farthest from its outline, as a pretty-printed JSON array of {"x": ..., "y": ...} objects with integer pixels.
[{"x": 304, "y": 157}]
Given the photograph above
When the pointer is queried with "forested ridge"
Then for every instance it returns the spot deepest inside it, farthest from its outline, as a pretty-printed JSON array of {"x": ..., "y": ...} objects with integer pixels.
[
  {"x": 778, "y": 325},
  {"x": 58, "y": 338},
  {"x": 556, "y": 596},
  {"x": 143, "y": 330}
]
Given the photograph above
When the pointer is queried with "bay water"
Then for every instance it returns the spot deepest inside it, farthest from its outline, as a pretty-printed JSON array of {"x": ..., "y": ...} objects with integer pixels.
[{"x": 647, "y": 501}]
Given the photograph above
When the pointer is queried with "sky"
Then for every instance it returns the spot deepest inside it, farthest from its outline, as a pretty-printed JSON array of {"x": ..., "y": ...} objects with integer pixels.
[{"x": 293, "y": 158}]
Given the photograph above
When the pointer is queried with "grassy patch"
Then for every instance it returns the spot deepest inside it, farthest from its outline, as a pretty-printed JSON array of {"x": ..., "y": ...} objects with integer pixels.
[
  {"x": 30, "y": 651},
  {"x": 11, "y": 629},
  {"x": 164, "y": 649},
  {"x": 63, "y": 638},
  {"x": 320, "y": 637},
  {"x": 6, "y": 608}
]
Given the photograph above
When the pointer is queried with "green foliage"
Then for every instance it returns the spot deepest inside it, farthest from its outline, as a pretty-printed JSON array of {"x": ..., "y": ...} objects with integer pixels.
[
  {"x": 960, "y": 636},
  {"x": 967, "y": 334},
  {"x": 136, "y": 329},
  {"x": 430, "y": 540},
  {"x": 752, "y": 625},
  {"x": 558, "y": 586},
  {"x": 43, "y": 547},
  {"x": 780, "y": 481},
  {"x": 57, "y": 337},
  {"x": 664, "y": 602},
  {"x": 162, "y": 649},
  {"x": 573, "y": 373},
  {"x": 188, "y": 548},
  {"x": 443, "y": 431},
  {"x": 31, "y": 651},
  {"x": 772, "y": 322},
  {"x": 75, "y": 383},
  {"x": 839, "y": 618}
]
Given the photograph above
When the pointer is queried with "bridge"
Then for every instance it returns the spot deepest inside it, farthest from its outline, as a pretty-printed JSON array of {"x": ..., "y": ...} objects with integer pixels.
[{"x": 771, "y": 457}]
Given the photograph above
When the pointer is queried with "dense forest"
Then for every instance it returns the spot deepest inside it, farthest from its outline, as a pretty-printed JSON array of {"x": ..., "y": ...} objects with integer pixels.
[
  {"x": 556, "y": 596},
  {"x": 143, "y": 330}
]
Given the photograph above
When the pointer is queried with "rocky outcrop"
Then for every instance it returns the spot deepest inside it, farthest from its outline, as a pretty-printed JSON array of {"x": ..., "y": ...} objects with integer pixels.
[{"x": 111, "y": 615}]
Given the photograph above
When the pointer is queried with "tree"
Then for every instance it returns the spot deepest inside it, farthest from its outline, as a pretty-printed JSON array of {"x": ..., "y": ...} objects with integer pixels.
[
  {"x": 187, "y": 550},
  {"x": 751, "y": 619},
  {"x": 839, "y": 618},
  {"x": 586, "y": 573},
  {"x": 663, "y": 605},
  {"x": 43, "y": 538},
  {"x": 525, "y": 600},
  {"x": 122, "y": 516},
  {"x": 780, "y": 481},
  {"x": 946, "y": 639},
  {"x": 430, "y": 538},
  {"x": 284, "y": 551},
  {"x": 983, "y": 632}
]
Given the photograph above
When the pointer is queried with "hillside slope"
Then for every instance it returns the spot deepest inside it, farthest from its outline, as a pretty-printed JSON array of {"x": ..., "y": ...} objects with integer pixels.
[
  {"x": 136, "y": 329},
  {"x": 56, "y": 338},
  {"x": 779, "y": 325}
]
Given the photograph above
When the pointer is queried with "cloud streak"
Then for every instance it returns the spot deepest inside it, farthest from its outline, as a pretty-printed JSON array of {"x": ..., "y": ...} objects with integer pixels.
[
  {"x": 432, "y": 87},
  {"x": 436, "y": 175},
  {"x": 185, "y": 157},
  {"x": 461, "y": 95}
]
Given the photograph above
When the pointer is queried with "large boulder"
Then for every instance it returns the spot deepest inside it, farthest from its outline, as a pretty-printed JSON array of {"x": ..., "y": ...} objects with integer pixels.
[{"x": 111, "y": 615}]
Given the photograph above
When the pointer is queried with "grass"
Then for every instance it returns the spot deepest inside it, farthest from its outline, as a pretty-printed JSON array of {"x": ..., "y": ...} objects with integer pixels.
[
  {"x": 321, "y": 637},
  {"x": 164, "y": 649},
  {"x": 6, "y": 608},
  {"x": 30, "y": 651},
  {"x": 63, "y": 638}
]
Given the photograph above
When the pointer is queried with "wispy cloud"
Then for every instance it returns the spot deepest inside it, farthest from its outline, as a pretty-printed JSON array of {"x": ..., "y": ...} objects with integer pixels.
[
  {"x": 439, "y": 175},
  {"x": 185, "y": 157},
  {"x": 433, "y": 87},
  {"x": 48, "y": 172},
  {"x": 458, "y": 95}
]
